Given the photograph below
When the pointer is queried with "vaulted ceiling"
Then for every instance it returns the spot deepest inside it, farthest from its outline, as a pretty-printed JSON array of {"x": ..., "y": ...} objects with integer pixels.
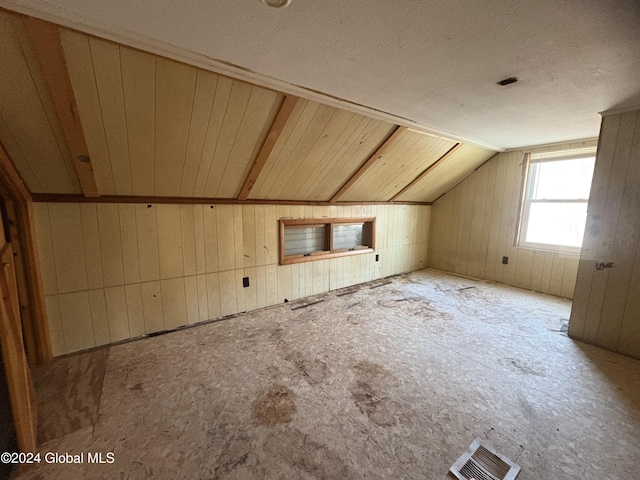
[
  {"x": 83, "y": 115},
  {"x": 431, "y": 65}
]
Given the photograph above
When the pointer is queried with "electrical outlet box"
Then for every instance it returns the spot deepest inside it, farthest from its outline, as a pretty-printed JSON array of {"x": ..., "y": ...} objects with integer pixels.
[
  {"x": 245, "y": 282},
  {"x": 377, "y": 258},
  {"x": 505, "y": 260}
]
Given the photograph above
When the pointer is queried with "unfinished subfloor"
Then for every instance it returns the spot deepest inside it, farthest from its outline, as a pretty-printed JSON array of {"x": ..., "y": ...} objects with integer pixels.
[{"x": 391, "y": 379}]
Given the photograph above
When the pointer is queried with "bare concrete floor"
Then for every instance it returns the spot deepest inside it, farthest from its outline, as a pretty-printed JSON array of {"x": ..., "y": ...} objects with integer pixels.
[{"x": 394, "y": 381}]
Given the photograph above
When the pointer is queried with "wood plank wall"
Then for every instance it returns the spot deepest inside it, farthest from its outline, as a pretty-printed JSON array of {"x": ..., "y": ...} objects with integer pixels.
[
  {"x": 474, "y": 226},
  {"x": 117, "y": 271},
  {"x": 606, "y": 307},
  {"x": 29, "y": 127},
  {"x": 158, "y": 127}
]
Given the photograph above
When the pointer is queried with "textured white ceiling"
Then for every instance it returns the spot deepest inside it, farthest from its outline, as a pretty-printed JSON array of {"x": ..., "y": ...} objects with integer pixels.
[{"x": 435, "y": 63}]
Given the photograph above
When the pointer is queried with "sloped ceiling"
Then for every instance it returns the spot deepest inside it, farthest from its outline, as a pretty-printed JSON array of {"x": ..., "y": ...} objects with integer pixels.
[
  {"x": 29, "y": 129},
  {"x": 319, "y": 150},
  {"x": 158, "y": 127},
  {"x": 155, "y": 127},
  {"x": 432, "y": 64}
]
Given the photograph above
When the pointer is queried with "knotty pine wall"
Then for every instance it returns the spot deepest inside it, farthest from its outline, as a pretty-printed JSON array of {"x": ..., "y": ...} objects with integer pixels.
[
  {"x": 606, "y": 305},
  {"x": 474, "y": 226},
  {"x": 118, "y": 271}
]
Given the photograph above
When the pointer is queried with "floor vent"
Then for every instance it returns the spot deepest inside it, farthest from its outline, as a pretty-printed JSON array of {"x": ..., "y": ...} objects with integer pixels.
[{"x": 481, "y": 462}]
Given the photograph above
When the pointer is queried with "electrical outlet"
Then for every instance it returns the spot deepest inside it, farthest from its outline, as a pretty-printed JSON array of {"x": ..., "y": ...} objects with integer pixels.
[
  {"x": 377, "y": 258},
  {"x": 505, "y": 260},
  {"x": 245, "y": 282}
]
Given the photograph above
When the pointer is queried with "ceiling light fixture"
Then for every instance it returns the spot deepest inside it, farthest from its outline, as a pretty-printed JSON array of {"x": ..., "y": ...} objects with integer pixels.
[
  {"x": 276, "y": 3},
  {"x": 507, "y": 81}
]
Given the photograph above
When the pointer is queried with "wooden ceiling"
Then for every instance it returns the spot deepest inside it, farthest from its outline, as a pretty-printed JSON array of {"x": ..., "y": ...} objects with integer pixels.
[
  {"x": 153, "y": 127},
  {"x": 29, "y": 128}
]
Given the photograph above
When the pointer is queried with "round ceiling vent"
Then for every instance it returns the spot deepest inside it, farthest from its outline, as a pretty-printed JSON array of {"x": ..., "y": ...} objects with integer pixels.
[{"x": 276, "y": 3}]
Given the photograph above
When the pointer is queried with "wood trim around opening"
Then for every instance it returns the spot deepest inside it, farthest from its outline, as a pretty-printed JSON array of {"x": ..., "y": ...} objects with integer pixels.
[{"x": 370, "y": 229}]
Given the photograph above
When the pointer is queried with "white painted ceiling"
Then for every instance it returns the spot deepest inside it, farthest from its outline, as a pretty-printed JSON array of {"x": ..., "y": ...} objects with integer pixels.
[{"x": 431, "y": 63}]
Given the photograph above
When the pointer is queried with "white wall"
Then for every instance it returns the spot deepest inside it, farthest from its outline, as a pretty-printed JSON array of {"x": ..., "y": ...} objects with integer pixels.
[{"x": 117, "y": 271}]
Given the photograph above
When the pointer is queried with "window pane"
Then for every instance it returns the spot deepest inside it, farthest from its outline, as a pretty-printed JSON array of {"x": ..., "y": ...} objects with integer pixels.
[
  {"x": 557, "y": 223},
  {"x": 347, "y": 236},
  {"x": 562, "y": 179},
  {"x": 298, "y": 241}
]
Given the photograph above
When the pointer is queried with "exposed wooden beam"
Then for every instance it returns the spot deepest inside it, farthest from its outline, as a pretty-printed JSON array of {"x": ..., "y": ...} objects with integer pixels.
[
  {"x": 67, "y": 198},
  {"x": 398, "y": 132},
  {"x": 274, "y": 133},
  {"x": 45, "y": 38},
  {"x": 13, "y": 188},
  {"x": 426, "y": 172}
]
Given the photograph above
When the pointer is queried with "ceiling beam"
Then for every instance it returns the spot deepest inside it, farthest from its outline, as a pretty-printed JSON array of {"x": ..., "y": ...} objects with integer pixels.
[
  {"x": 393, "y": 138},
  {"x": 150, "y": 200},
  {"x": 45, "y": 39},
  {"x": 428, "y": 170},
  {"x": 274, "y": 134}
]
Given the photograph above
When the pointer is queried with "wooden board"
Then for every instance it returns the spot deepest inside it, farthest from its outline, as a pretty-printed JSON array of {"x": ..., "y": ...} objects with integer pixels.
[
  {"x": 28, "y": 128},
  {"x": 42, "y": 44},
  {"x": 407, "y": 158},
  {"x": 446, "y": 174},
  {"x": 158, "y": 127},
  {"x": 319, "y": 149}
]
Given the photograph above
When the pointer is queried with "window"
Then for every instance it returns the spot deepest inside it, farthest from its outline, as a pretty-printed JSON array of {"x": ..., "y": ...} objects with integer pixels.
[
  {"x": 304, "y": 240},
  {"x": 554, "y": 207}
]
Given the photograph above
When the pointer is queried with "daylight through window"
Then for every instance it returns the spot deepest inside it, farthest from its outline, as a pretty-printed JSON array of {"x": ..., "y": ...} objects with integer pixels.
[{"x": 555, "y": 200}]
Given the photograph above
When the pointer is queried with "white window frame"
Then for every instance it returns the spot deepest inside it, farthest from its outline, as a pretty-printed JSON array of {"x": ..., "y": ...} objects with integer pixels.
[{"x": 526, "y": 201}]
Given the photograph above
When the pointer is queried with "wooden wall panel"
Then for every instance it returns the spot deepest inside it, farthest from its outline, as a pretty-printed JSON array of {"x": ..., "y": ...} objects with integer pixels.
[
  {"x": 77, "y": 327},
  {"x": 108, "y": 79},
  {"x": 68, "y": 248},
  {"x": 110, "y": 244},
  {"x": 139, "y": 90},
  {"x": 158, "y": 127},
  {"x": 474, "y": 225},
  {"x": 175, "y": 91},
  {"x": 29, "y": 128},
  {"x": 81, "y": 72},
  {"x": 446, "y": 174},
  {"x": 606, "y": 308},
  {"x": 147, "y": 234},
  {"x": 319, "y": 149},
  {"x": 99, "y": 318},
  {"x": 398, "y": 167},
  {"x": 158, "y": 272}
]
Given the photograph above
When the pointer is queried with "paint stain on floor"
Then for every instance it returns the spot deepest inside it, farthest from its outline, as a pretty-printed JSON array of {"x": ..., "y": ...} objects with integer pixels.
[{"x": 275, "y": 406}]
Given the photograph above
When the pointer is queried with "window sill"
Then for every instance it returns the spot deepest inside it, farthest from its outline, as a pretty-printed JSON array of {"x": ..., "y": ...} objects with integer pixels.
[
  {"x": 568, "y": 251},
  {"x": 323, "y": 256}
]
